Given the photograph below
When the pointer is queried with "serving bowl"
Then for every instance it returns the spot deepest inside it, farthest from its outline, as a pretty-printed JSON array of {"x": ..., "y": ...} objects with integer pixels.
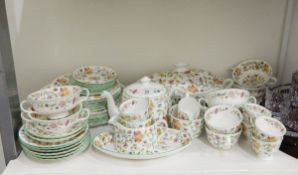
[
  {"x": 222, "y": 141},
  {"x": 94, "y": 78},
  {"x": 54, "y": 100},
  {"x": 223, "y": 119},
  {"x": 253, "y": 73}
]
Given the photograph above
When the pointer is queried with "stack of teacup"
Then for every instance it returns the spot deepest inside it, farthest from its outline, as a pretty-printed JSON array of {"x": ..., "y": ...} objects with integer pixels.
[
  {"x": 267, "y": 135},
  {"x": 187, "y": 116},
  {"x": 134, "y": 130},
  {"x": 54, "y": 123},
  {"x": 254, "y": 76}
]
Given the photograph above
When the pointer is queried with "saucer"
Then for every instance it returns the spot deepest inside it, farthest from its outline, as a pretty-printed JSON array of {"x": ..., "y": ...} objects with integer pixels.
[{"x": 170, "y": 142}]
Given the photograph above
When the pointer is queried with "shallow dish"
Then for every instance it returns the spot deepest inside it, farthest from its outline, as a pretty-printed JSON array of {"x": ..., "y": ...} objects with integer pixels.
[
  {"x": 55, "y": 100},
  {"x": 253, "y": 73},
  {"x": 223, "y": 119},
  {"x": 171, "y": 142}
]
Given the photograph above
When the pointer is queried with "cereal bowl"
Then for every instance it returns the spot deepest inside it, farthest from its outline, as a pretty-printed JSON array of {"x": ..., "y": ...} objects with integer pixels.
[
  {"x": 54, "y": 100},
  {"x": 268, "y": 129},
  {"x": 223, "y": 119},
  {"x": 222, "y": 141}
]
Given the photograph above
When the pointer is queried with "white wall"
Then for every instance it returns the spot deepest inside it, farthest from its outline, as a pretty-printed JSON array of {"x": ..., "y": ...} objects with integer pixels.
[
  {"x": 138, "y": 37},
  {"x": 292, "y": 54}
]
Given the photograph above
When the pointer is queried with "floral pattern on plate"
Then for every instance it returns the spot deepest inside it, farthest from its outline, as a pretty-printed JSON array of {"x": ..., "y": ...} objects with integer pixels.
[
  {"x": 94, "y": 75},
  {"x": 170, "y": 142}
]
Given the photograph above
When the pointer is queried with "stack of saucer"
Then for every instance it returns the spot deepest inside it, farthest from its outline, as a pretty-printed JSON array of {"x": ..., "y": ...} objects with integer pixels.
[
  {"x": 54, "y": 123},
  {"x": 96, "y": 79}
]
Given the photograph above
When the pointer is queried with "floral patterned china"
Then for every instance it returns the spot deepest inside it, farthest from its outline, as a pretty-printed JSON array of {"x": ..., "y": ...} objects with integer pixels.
[
  {"x": 170, "y": 142},
  {"x": 55, "y": 100},
  {"x": 95, "y": 78},
  {"x": 193, "y": 127},
  {"x": 188, "y": 108},
  {"x": 251, "y": 111},
  {"x": 233, "y": 97},
  {"x": 265, "y": 150},
  {"x": 247, "y": 130},
  {"x": 223, "y": 119},
  {"x": 253, "y": 73},
  {"x": 268, "y": 129},
  {"x": 222, "y": 141},
  {"x": 156, "y": 93}
]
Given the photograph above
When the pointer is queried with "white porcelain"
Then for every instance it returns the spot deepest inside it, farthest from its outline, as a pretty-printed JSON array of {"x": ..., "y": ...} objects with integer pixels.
[
  {"x": 169, "y": 143},
  {"x": 188, "y": 108},
  {"x": 251, "y": 111},
  {"x": 156, "y": 93},
  {"x": 233, "y": 97},
  {"x": 253, "y": 73},
  {"x": 223, "y": 119},
  {"x": 268, "y": 129},
  {"x": 55, "y": 100},
  {"x": 265, "y": 150}
]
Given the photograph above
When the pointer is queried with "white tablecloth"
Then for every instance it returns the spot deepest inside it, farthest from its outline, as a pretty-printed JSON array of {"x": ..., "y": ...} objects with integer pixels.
[{"x": 200, "y": 157}]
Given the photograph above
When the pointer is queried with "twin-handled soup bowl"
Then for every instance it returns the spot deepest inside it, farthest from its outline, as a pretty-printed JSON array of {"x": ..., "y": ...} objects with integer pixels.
[
  {"x": 223, "y": 119},
  {"x": 40, "y": 126},
  {"x": 55, "y": 100},
  {"x": 232, "y": 97},
  {"x": 142, "y": 140}
]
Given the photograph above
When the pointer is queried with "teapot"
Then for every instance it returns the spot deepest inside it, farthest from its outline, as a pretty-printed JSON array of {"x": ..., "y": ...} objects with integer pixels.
[{"x": 156, "y": 93}]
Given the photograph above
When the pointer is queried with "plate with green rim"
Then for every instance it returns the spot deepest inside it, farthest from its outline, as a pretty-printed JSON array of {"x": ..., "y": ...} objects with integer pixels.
[
  {"x": 57, "y": 153},
  {"x": 66, "y": 156},
  {"x": 33, "y": 143}
]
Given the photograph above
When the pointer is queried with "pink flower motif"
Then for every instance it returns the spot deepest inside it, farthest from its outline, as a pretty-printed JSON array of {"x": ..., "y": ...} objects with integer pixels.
[
  {"x": 62, "y": 103},
  {"x": 53, "y": 125},
  {"x": 67, "y": 122}
]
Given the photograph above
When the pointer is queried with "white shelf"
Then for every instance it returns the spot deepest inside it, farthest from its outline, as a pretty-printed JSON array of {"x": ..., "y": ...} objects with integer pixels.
[{"x": 200, "y": 157}]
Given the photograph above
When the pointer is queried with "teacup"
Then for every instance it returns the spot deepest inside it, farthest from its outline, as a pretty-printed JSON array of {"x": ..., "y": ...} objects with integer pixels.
[
  {"x": 138, "y": 140},
  {"x": 188, "y": 108},
  {"x": 232, "y": 97},
  {"x": 55, "y": 101},
  {"x": 263, "y": 149},
  {"x": 135, "y": 109},
  {"x": 268, "y": 129},
  {"x": 194, "y": 127},
  {"x": 223, "y": 119},
  {"x": 222, "y": 141},
  {"x": 251, "y": 111}
]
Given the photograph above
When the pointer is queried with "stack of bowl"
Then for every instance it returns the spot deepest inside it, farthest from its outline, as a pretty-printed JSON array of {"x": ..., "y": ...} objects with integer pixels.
[
  {"x": 55, "y": 125},
  {"x": 187, "y": 116},
  {"x": 96, "y": 79},
  {"x": 254, "y": 76},
  {"x": 267, "y": 136},
  {"x": 223, "y": 126}
]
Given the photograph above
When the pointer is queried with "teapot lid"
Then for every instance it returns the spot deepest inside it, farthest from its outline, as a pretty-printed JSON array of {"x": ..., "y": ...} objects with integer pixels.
[{"x": 145, "y": 88}]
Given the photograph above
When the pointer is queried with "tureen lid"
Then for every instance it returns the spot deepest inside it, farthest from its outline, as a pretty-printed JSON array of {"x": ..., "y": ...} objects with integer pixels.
[{"x": 145, "y": 88}]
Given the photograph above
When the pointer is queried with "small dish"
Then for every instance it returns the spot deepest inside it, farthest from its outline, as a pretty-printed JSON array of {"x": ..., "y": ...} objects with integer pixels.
[
  {"x": 222, "y": 141},
  {"x": 223, "y": 119},
  {"x": 253, "y": 73},
  {"x": 170, "y": 142}
]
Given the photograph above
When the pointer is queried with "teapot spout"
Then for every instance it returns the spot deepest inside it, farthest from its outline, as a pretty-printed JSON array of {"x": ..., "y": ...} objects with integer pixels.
[{"x": 112, "y": 108}]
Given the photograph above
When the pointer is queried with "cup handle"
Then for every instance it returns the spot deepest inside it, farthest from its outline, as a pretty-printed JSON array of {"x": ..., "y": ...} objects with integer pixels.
[
  {"x": 87, "y": 94},
  {"x": 86, "y": 113},
  {"x": 203, "y": 104},
  {"x": 252, "y": 99},
  {"x": 228, "y": 83},
  {"x": 272, "y": 81},
  {"x": 22, "y": 106}
]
